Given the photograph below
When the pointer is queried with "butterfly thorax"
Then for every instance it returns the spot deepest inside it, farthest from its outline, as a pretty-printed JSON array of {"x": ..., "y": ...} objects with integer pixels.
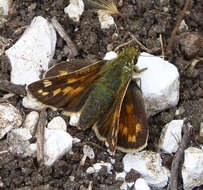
[{"x": 129, "y": 54}]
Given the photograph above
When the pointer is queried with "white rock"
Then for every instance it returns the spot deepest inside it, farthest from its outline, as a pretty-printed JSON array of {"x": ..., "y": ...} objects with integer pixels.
[
  {"x": 201, "y": 133},
  {"x": 88, "y": 152},
  {"x": 201, "y": 130},
  {"x": 98, "y": 166},
  {"x": 105, "y": 19},
  {"x": 75, "y": 9},
  {"x": 18, "y": 140},
  {"x": 179, "y": 111},
  {"x": 57, "y": 143},
  {"x": 148, "y": 164},
  {"x": 171, "y": 136},
  {"x": 31, "y": 121},
  {"x": 112, "y": 160},
  {"x": 31, "y": 54},
  {"x": 9, "y": 118},
  {"x": 192, "y": 170},
  {"x": 110, "y": 55},
  {"x": 31, "y": 103},
  {"x": 32, "y": 149},
  {"x": 57, "y": 123},
  {"x": 120, "y": 176},
  {"x": 76, "y": 140},
  {"x": 159, "y": 83},
  {"x": 22, "y": 133},
  {"x": 5, "y": 5},
  {"x": 141, "y": 184},
  {"x": 183, "y": 26},
  {"x": 126, "y": 186},
  {"x": 74, "y": 118},
  {"x": 1, "y": 183}
]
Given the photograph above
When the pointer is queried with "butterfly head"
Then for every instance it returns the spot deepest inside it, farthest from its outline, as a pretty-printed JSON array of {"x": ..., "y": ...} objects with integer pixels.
[{"x": 131, "y": 54}]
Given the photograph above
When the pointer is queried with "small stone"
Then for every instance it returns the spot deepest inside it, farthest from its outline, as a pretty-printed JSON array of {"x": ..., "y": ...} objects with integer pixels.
[
  {"x": 5, "y": 5},
  {"x": 88, "y": 151},
  {"x": 31, "y": 121},
  {"x": 183, "y": 26},
  {"x": 126, "y": 186},
  {"x": 199, "y": 92},
  {"x": 72, "y": 178},
  {"x": 201, "y": 130},
  {"x": 18, "y": 140},
  {"x": 149, "y": 165},
  {"x": 57, "y": 143},
  {"x": 74, "y": 118},
  {"x": 1, "y": 184},
  {"x": 98, "y": 166},
  {"x": 200, "y": 137},
  {"x": 31, "y": 54},
  {"x": 110, "y": 55},
  {"x": 57, "y": 123},
  {"x": 105, "y": 19},
  {"x": 141, "y": 184},
  {"x": 74, "y": 9},
  {"x": 32, "y": 7},
  {"x": 120, "y": 176},
  {"x": 76, "y": 140},
  {"x": 9, "y": 118},
  {"x": 109, "y": 47},
  {"x": 192, "y": 170},
  {"x": 32, "y": 103},
  {"x": 189, "y": 45},
  {"x": 171, "y": 136},
  {"x": 180, "y": 111}
]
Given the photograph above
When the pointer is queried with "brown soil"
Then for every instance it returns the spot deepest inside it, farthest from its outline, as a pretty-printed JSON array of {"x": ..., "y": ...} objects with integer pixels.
[{"x": 146, "y": 21}]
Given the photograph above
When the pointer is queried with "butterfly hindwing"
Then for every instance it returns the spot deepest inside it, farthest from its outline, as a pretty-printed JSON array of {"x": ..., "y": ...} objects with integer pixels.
[
  {"x": 133, "y": 126},
  {"x": 66, "y": 91},
  {"x": 106, "y": 129}
]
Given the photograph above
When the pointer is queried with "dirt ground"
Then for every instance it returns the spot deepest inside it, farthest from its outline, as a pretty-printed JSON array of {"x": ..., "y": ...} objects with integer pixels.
[{"x": 146, "y": 21}]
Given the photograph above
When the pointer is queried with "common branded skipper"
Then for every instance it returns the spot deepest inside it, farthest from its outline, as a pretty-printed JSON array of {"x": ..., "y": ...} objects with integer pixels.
[{"x": 103, "y": 94}]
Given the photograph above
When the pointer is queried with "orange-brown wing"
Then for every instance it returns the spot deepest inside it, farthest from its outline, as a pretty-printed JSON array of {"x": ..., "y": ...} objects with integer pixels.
[
  {"x": 66, "y": 91},
  {"x": 67, "y": 67},
  {"x": 106, "y": 129},
  {"x": 133, "y": 127}
]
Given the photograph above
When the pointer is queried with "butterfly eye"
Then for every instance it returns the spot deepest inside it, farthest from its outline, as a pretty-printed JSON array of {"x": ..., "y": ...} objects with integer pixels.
[{"x": 135, "y": 60}]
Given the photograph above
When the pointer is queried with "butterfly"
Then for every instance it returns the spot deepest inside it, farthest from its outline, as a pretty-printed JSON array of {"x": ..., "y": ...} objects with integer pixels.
[{"x": 103, "y": 95}]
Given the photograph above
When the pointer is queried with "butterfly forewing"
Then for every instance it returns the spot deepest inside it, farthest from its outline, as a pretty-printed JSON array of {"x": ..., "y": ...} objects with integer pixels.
[
  {"x": 133, "y": 126},
  {"x": 67, "y": 67},
  {"x": 66, "y": 91}
]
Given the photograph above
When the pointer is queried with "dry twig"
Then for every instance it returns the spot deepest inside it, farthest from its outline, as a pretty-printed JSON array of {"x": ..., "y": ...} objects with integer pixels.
[
  {"x": 179, "y": 157},
  {"x": 139, "y": 43},
  {"x": 71, "y": 45},
  {"x": 162, "y": 46},
  {"x": 177, "y": 25},
  {"x": 40, "y": 136},
  {"x": 3, "y": 152}
]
